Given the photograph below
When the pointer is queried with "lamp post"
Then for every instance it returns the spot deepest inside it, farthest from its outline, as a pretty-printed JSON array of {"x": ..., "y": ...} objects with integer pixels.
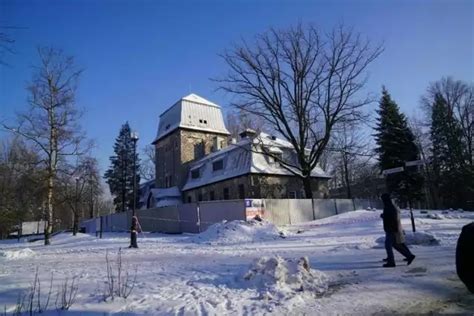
[
  {"x": 134, "y": 228},
  {"x": 134, "y": 137}
]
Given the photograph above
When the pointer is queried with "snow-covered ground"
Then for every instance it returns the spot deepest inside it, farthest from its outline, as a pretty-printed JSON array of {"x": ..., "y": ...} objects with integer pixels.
[{"x": 325, "y": 267}]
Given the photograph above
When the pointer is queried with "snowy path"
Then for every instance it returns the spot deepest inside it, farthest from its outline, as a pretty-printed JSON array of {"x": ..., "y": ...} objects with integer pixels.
[{"x": 180, "y": 275}]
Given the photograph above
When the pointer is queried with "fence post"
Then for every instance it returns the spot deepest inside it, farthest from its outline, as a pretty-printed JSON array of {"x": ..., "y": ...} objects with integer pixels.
[
  {"x": 289, "y": 211},
  {"x": 198, "y": 218},
  {"x": 101, "y": 226},
  {"x": 335, "y": 205},
  {"x": 353, "y": 204},
  {"x": 312, "y": 207}
]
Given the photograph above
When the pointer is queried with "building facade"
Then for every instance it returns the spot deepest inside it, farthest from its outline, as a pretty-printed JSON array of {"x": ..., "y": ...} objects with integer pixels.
[{"x": 197, "y": 161}]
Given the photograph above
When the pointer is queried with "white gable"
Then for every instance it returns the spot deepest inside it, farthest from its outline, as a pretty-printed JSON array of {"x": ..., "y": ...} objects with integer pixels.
[{"x": 192, "y": 112}]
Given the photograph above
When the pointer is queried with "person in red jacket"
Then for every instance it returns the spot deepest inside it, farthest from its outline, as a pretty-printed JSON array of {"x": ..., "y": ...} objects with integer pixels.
[{"x": 134, "y": 230}]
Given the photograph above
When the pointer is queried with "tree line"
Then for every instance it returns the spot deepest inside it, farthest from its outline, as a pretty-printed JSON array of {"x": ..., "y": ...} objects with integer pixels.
[{"x": 307, "y": 86}]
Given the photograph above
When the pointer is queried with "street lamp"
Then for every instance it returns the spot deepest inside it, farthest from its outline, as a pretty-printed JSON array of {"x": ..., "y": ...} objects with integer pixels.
[
  {"x": 134, "y": 137},
  {"x": 134, "y": 228}
]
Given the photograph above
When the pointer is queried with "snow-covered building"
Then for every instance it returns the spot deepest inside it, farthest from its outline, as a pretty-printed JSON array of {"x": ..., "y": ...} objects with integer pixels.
[{"x": 196, "y": 160}]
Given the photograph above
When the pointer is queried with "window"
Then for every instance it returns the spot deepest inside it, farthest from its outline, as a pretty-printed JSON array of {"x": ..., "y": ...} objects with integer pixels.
[
  {"x": 200, "y": 197},
  {"x": 205, "y": 122},
  {"x": 168, "y": 126},
  {"x": 226, "y": 193},
  {"x": 190, "y": 199},
  {"x": 200, "y": 121},
  {"x": 218, "y": 165},
  {"x": 241, "y": 191},
  {"x": 211, "y": 196},
  {"x": 292, "y": 195},
  {"x": 195, "y": 173}
]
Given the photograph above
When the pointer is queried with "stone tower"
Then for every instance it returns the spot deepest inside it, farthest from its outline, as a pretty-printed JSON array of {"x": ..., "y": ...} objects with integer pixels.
[{"x": 190, "y": 129}]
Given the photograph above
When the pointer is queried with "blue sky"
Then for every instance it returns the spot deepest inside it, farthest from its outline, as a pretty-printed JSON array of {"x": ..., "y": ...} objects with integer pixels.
[{"x": 141, "y": 56}]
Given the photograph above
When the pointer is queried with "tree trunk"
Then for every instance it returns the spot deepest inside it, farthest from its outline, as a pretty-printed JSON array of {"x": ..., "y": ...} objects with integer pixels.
[
  {"x": 49, "y": 209},
  {"x": 346, "y": 179},
  {"x": 307, "y": 187},
  {"x": 75, "y": 226}
]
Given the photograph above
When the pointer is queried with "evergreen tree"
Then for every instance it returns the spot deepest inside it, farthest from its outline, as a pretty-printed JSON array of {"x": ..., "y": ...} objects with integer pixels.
[
  {"x": 453, "y": 174},
  {"x": 119, "y": 176},
  {"x": 395, "y": 146}
]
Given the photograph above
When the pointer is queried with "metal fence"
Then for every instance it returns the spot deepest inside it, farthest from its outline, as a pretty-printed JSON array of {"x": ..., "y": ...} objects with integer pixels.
[{"x": 197, "y": 217}]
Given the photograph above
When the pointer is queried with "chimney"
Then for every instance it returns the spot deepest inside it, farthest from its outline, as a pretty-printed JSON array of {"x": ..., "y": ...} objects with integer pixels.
[{"x": 248, "y": 133}]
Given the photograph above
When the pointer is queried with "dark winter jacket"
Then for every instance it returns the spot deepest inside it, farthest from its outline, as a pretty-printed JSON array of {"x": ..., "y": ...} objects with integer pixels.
[{"x": 390, "y": 217}]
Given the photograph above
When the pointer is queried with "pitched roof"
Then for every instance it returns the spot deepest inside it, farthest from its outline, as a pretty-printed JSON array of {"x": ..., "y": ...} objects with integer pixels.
[
  {"x": 192, "y": 112},
  {"x": 239, "y": 159}
]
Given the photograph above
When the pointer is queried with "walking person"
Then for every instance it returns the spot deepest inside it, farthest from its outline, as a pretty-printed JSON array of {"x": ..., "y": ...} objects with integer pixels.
[
  {"x": 134, "y": 231},
  {"x": 394, "y": 237}
]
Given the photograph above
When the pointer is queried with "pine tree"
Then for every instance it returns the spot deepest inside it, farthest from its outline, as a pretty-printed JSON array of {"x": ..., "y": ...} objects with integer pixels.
[
  {"x": 120, "y": 173},
  {"x": 395, "y": 146},
  {"x": 453, "y": 174}
]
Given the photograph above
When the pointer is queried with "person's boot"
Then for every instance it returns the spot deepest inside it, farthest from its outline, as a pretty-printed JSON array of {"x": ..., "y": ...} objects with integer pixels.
[
  {"x": 386, "y": 259},
  {"x": 389, "y": 264},
  {"x": 410, "y": 259}
]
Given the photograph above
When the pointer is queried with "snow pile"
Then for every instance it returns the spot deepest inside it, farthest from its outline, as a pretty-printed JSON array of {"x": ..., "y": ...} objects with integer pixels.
[
  {"x": 17, "y": 254},
  {"x": 238, "y": 232},
  {"x": 417, "y": 238},
  {"x": 435, "y": 216},
  {"x": 421, "y": 238},
  {"x": 278, "y": 278}
]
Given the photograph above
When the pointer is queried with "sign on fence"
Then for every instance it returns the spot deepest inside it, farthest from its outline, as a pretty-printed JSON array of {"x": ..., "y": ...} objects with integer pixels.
[{"x": 254, "y": 207}]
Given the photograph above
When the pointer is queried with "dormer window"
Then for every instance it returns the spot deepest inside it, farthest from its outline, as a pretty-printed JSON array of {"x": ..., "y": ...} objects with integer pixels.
[
  {"x": 167, "y": 126},
  {"x": 195, "y": 173},
  {"x": 218, "y": 165},
  {"x": 274, "y": 154}
]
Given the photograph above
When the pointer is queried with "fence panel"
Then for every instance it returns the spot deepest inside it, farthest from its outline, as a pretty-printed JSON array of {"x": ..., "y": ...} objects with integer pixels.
[
  {"x": 118, "y": 222},
  {"x": 91, "y": 226},
  {"x": 188, "y": 217},
  {"x": 344, "y": 205},
  {"x": 277, "y": 211},
  {"x": 161, "y": 219},
  {"x": 324, "y": 208},
  {"x": 300, "y": 210},
  {"x": 216, "y": 211}
]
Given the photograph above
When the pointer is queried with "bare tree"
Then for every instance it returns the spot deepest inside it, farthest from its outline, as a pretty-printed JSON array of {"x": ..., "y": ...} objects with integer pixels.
[
  {"x": 238, "y": 121},
  {"x": 52, "y": 122},
  {"x": 79, "y": 188},
  {"x": 21, "y": 189},
  {"x": 459, "y": 96},
  {"x": 301, "y": 82},
  {"x": 6, "y": 43},
  {"x": 351, "y": 148},
  {"x": 148, "y": 164}
]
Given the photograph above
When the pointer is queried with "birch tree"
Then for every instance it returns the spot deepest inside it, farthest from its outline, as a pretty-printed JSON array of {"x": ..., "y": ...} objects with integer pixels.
[{"x": 51, "y": 123}]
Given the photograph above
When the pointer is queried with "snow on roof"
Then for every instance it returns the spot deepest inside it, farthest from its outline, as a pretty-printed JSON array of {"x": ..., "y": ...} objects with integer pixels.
[
  {"x": 165, "y": 197},
  {"x": 192, "y": 112},
  {"x": 197, "y": 99},
  {"x": 160, "y": 193},
  {"x": 239, "y": 160}
]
